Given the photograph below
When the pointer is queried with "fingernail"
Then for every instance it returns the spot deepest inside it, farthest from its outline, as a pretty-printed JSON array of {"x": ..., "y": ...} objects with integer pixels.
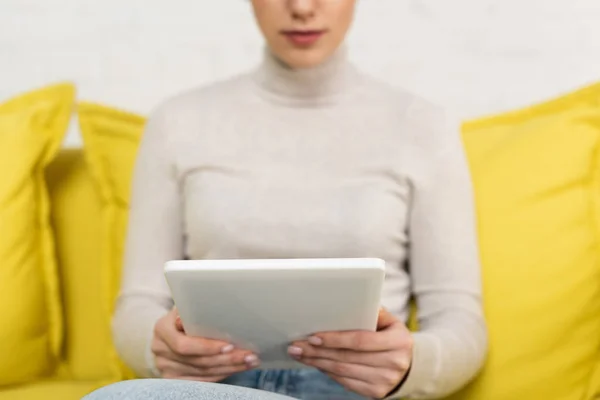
[
  {"x": 251, "y": 359},
  {"x": 295, "y": 351},
  {"x": 315, "y": 341},
  {"x": 227, "y": 349}
]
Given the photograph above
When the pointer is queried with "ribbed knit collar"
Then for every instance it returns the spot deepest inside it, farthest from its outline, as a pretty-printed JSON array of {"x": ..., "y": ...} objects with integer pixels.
[{"x": 323, "y": 83}]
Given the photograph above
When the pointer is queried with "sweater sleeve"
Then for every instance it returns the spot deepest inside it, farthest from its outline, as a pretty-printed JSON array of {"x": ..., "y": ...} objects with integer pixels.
[
  {"x": 451, "y": 344},
  {"x": 154, "y": 236}
]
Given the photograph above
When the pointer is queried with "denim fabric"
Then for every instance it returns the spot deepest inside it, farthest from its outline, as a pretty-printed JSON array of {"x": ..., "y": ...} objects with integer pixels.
[
  {"x": 167, "y": 389},
  {"x": 271, "y": 384},
  {"x": 306, "y": 384}
]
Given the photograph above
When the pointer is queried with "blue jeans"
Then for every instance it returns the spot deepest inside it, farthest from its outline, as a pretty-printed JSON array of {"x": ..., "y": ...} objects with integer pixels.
[{"x": 298, "y": 384}]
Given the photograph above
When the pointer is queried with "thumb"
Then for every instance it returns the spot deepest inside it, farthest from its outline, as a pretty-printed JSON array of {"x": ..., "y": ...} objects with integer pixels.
[
  {"x": 178, "y": 323},
  {"x": 385, "y": 319}
]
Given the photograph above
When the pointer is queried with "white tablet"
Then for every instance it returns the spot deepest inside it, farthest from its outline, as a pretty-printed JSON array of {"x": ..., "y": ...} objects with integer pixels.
[{"x": 264, "y": 305}]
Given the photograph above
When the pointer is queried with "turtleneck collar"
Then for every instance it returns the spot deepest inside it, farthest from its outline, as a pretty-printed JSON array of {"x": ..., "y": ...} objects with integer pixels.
[{"x": 323, "y": 83}]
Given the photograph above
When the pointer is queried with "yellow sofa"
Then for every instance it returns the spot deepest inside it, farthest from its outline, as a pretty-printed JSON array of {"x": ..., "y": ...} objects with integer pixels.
[
  {"x": 536, "y": 177},
  {"x": 88, "y": 358}
]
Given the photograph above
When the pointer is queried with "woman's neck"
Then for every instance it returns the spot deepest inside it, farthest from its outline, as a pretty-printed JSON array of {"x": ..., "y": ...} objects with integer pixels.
[{"x": 323, "y": 83}]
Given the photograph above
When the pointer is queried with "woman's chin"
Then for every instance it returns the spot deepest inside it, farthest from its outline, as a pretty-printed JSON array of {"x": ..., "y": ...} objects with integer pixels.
[{"x": 301, "y": 58}]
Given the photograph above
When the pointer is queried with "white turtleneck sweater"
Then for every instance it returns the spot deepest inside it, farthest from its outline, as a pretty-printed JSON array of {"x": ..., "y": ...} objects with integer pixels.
[{"x": 315, "y": 163}]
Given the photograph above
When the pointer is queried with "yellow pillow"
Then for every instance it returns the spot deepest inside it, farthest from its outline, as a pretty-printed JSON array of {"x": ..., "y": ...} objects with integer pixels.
[
  {"x": 74, "y": 198},
  {"x": 111, "y": 138},
  {"x": 536, "y": 174},
  {"x": 32, "y": 127}
]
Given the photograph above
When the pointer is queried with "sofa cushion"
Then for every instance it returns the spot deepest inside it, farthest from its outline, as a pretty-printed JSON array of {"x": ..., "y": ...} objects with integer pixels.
[
  {"x": 77, "y": 226},
  {"x": 111, "y": 138},
  {"x": 32, "y": 127},
  {"x": 536, "y": 174}
]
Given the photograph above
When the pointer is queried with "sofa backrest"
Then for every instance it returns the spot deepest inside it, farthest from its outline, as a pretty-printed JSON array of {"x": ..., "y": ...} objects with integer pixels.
[{"x": 77, "y": 224}]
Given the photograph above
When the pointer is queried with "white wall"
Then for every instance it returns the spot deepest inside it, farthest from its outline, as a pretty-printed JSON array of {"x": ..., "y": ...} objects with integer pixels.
[{"x": 476, "y": 56}]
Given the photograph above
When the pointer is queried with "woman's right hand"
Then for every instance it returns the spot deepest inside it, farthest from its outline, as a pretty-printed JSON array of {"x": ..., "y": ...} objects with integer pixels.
[{"x": 178, "y": 356}]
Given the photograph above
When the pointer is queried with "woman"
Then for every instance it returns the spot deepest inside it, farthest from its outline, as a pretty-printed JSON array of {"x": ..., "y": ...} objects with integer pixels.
[{"x": 306, "y": 157}]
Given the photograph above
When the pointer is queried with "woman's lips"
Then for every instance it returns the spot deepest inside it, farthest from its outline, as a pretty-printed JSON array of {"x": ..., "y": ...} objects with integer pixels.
[{"x": 303, "y": 38}]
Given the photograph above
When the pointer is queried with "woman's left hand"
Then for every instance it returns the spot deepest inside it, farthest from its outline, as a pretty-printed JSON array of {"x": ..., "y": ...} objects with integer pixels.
[{"x": 371, "y": 364}]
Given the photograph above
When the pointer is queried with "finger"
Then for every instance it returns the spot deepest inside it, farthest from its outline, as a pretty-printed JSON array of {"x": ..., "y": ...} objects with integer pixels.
[
  {"x": 173, "y": 369},
  {"x": 373, "y": 380},
  {"x": 362, "y": 340},
  {"x": 354, "y": 371},
  {"x": 385, "y": 319},
  {"x": 224, "y": 360},
  {"x": 360, "y": 387},
  {"x": 179, "y": 324},
  {"x": 160, "y": 349},
  {"x": 185, "y": 345},
  {"x": 236, "y": 357},
  {"x": 389, "y": 359}
]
